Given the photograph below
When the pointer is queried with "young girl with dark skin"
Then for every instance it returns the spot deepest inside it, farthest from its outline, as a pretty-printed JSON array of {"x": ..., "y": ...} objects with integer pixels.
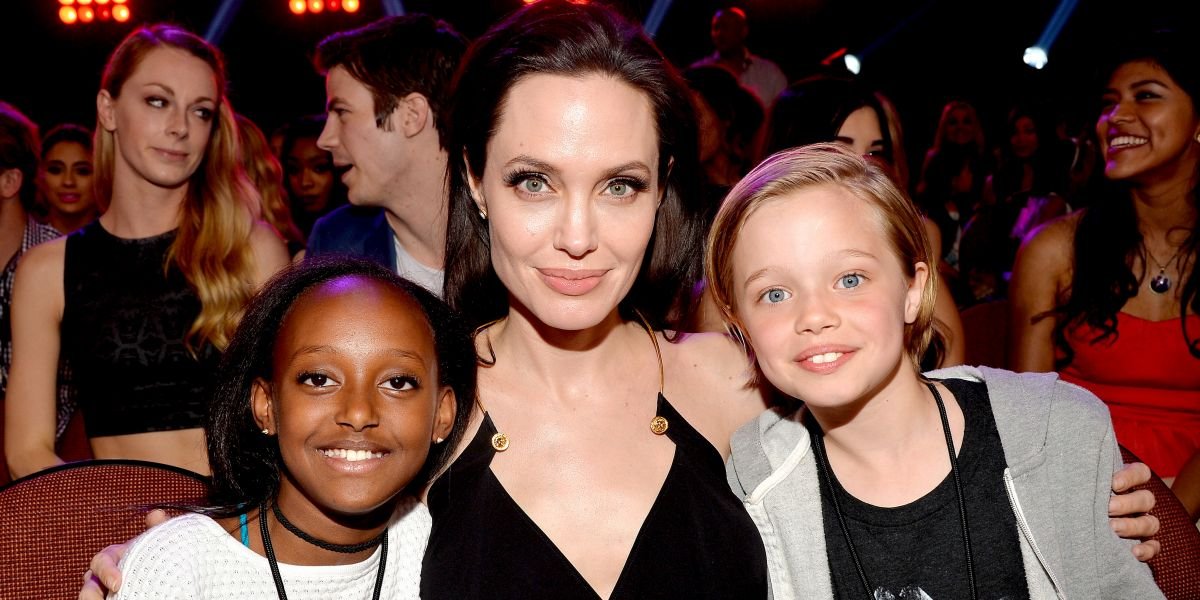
[
  {"x": 142, "y": 300},
  {"x": 343, "y": 391}
]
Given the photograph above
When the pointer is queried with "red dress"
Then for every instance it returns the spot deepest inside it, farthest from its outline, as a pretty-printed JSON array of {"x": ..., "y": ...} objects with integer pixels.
[{"x": 1150, "y": 382}]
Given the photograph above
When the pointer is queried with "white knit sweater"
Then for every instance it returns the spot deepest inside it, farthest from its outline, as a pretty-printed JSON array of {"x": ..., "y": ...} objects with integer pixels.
[{"x": 191, "y": 556}]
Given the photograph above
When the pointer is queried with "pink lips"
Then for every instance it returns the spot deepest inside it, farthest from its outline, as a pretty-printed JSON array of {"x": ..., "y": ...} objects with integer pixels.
[
  {"x": 572, "y": 282},
  {"x": 68, "y": 198},
  {"x": 172, "y": 155},
  {"x": 803, "y": 359}
]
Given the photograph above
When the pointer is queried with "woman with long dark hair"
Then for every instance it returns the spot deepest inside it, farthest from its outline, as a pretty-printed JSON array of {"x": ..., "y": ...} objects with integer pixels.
[
  {"x": 1109, "y": 295},
  {"x": 575, "y": 235}
]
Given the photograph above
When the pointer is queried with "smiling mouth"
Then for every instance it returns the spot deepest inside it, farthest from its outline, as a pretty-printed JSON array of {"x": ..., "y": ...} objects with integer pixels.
[
  {"x": 828, "y": 357},
  {"x": 351, "y": 455},
  {"x": 1122, "y": 142}
]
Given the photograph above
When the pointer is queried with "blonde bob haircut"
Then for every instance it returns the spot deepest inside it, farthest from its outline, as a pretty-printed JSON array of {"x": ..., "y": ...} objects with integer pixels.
[
  {"x": 805, "y": 167},
  {"x": 212, "y": 242}
]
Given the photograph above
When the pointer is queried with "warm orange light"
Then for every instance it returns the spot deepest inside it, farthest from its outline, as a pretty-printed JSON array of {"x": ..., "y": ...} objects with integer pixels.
[
  {"x": 120, "y": 13},
  {"x": 118, "y": 1},
  {"x": 102, "y": 2},
  {"x": 332, "y": 4},
  {"x": 350, "y": 5},
  {"x": 84, "y": 2},
  {"x": 298, "y": 6},
  {"x": 86, "y": 14},
  {"x": 68, "y": 15},
  {"x": 66, "y": 2},
  {"x": 316, "y": 6}
]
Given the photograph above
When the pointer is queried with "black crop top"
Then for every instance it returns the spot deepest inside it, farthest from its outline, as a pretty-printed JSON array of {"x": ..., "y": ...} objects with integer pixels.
[
  {"x": 123, "y": 332},
  {"x": 697, "y": 541}
]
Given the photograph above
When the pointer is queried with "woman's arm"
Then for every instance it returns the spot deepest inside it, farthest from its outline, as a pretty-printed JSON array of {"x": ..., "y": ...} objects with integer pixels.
[
  {"x": 1042, "y": 269},
  {"x": 30, "y": 411}
]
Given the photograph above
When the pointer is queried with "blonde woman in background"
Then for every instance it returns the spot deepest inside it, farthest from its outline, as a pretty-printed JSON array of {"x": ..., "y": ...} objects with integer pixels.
[{"x": 142, "y": 301}]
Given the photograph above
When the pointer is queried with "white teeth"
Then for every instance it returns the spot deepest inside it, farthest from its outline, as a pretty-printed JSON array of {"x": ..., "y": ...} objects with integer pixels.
[
  {"x": 351, "y": 455},
  {"x": 1125, "y": 141},
  {"x": 828, "y": 357}
]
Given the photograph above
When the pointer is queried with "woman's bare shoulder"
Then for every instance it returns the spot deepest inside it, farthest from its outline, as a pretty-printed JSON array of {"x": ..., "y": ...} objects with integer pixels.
[
  {"x": 43, "y": 263},
  {"x": 711, "y": 374}
]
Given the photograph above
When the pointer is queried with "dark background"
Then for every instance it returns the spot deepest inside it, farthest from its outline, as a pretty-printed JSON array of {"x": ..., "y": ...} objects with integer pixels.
[{"x": 933, "y": 50}]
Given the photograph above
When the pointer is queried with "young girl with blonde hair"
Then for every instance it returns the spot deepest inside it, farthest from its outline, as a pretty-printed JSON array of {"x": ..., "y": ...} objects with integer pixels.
[{"x": 968, "y": 483}]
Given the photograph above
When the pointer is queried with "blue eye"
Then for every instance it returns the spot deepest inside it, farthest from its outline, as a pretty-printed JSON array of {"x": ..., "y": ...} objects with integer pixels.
[
  {"x": 775, "y": 296},
  {"x": 533, "y": 185},
  {"x": 850, "y": 281}
]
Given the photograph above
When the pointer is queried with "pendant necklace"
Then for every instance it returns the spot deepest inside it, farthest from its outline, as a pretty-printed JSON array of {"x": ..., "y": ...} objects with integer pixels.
[
  {"x": 818, "y": 444},
  {"x": 380, "y": 540},
  {"x": 1159, "y": 284}
]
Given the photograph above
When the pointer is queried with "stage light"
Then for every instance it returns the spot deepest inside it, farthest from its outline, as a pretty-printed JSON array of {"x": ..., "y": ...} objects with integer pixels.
[
  {"x": 316, "y": 6},
  {"x": 852, "y": 63},
  {"x": 101, "y": 2},
  {"x": 332, "y": 4},
  {"x": 298, "y": 6},
  {"x": 66, "y": 2},
  {"x": 68, "y": 15},
  {"x": 1036, "y": 57},
  {"x": 84, "y": 2},
  {"x": 120, "y": 13},
  {"x": 118, "y": 1},
  {"x": 86, "y": 14},
  {"x": 350, "y": 5}
]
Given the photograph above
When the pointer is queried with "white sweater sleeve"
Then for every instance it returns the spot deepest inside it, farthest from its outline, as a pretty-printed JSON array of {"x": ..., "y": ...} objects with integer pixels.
[{"x": 161, "y": 562}]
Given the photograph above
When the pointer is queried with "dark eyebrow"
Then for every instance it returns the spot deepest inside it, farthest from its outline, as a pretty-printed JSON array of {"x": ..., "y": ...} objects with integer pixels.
[{"x": 542, "y": 165}]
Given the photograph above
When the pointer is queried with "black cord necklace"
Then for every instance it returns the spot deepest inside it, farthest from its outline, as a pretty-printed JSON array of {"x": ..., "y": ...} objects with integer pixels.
[
  {"x": 827, "y": 475},
  {"x": 381, "y": 540},
  {"x": 324, "y": 545}
]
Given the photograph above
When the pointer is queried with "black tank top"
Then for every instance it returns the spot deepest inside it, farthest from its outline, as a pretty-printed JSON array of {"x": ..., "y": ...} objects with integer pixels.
[
  {"x": 697, "y": 540},
  {"x": 123, "y": 331}
]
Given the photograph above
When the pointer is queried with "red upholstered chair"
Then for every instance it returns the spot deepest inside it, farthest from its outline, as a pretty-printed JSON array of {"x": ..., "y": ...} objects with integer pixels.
[
  {"x": 1177, "y": 568},
  {"x": 985, "y": 329},
  {"x": 52, "y": 522}
]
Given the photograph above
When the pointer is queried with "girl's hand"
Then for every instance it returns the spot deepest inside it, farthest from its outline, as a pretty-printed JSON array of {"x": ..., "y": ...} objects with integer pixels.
[
  {"x": 103, "y": 575},
  {"x": 1128, "y": 510}
]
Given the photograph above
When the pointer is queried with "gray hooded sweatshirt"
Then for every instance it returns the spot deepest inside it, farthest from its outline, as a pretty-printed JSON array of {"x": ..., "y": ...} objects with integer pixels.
[{"x": 1061, "y": 454}]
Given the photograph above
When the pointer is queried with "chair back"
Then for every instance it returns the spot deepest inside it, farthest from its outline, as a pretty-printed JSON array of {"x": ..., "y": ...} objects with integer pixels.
[
  {"x": 1177, "y": 568},
  {"x": 985, "y": 333},
  {"x": 54, "y": 521}
]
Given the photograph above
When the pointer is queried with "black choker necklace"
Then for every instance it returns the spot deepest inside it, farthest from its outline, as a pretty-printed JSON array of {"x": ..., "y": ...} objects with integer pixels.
[
  {"x": 818, "y": 444},
  {"x": 324, "y": 545},
  {"x": 381, "y": 541}
]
